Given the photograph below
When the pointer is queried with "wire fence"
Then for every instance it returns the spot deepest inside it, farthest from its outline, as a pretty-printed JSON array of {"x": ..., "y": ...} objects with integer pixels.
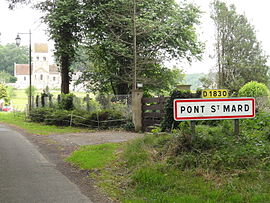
[{"x": 87, "y": 112}]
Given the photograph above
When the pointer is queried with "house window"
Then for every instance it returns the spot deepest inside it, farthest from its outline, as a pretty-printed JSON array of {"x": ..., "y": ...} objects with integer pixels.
[
  {"x": 53, "y": 78},
  {"x": 37, "y": 58},
  {"x": 41, "y": 77},
  {"x": 44, "y": 58},
  {"x": 24, "y": 78}
]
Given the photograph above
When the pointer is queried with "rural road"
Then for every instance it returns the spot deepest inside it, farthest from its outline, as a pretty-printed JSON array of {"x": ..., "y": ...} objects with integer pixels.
[{"x": 27, "y": 176}]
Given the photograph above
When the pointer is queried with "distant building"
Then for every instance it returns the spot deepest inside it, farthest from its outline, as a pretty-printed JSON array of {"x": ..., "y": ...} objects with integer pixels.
[{"x": 43, "y": 73}]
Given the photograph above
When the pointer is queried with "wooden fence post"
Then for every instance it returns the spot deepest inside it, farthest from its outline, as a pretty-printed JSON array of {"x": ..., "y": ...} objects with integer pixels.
[{"x": 137, "y": 109}]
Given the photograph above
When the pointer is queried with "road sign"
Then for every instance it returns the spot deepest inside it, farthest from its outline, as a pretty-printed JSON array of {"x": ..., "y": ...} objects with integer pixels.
[
  {"x": 211, "y": 109},
  {"x": 218, "y": 93}
]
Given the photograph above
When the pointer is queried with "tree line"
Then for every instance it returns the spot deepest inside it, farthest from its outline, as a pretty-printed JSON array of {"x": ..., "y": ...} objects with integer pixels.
[
  {"x": 117, "y": 43},
  {"x": 10, "y": 54}
]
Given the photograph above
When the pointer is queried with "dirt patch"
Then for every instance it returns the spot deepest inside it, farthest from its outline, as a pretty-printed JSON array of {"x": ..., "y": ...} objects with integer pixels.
[
  {"x": 57, "y": 147},
  {"x": 99, "y": 137}
]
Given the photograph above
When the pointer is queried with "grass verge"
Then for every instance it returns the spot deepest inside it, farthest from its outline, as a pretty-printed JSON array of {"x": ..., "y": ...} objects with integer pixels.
[
  {"x": 215, "y": 167},
  {"x": 20, "y": 121},
  {"x": 94, "y": 156}
]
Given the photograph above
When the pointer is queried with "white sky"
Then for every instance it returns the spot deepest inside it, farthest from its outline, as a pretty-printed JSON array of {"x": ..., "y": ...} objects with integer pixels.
[{"x": 22, "y": 19}]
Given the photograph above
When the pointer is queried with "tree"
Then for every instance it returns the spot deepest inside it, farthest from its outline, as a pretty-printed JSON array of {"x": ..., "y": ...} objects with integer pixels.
[
  {"x": 10, "y": 54},
  {"x": 7, "y": 78},
  {"x": 62, "y": 18},
  {"x": 3, "y": 92},
  {"x": 163, "y": 30},
  {"x": 240, "y": 57}
]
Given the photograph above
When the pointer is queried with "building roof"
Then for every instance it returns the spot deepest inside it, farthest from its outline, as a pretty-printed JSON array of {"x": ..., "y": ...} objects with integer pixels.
[
  {"x": 22, "y": 69},
  {"x": 53, "y": 69}
]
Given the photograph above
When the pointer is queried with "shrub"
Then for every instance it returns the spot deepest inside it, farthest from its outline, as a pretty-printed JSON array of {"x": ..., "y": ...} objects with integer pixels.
[
  {"x": 3, "y": 91},
  {"x": 58, "y": 118},
  {"x": 168, "y": 123},
  {"x": 259, "y": 91},
  {"x": 33, "y": 91},
  {"x": 254, "y": 89},
  {"x": 39, "y": 114},
  {"x": 66, "y": 102}
]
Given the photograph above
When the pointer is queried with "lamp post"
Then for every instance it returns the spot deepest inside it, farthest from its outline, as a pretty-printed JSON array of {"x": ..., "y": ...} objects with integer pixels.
[{"x": 18, "y": 41}]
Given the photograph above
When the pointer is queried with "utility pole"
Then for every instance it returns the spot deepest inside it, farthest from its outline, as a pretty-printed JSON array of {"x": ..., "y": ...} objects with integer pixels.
[{"x": 134, "y": 46}]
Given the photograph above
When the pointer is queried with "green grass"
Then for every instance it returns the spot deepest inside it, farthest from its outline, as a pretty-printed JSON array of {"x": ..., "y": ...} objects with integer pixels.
[
  {"x": 93, "y": 156},
  {"x": 218, "y": 168},
  {"x": 20, "y": 100},
  {"x": 20, "y": 121}
]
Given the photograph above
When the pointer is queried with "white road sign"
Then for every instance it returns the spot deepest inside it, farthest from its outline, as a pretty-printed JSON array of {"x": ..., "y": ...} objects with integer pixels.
[{"x": 210, "y": 109}]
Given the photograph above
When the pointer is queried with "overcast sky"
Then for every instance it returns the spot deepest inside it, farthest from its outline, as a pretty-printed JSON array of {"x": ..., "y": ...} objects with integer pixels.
[{"x": 22, "y": 19}]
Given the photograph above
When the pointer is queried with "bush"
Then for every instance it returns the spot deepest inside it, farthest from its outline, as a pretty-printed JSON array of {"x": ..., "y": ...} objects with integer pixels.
[
  {"x": 100, "y": 119},
  {"x": 259, "y": 91},
  {"x": 66, "y": 102},
  {"x": 58, "y": 118},
  {"x": 254, "y": 89},
  {"x": 39, "y": 114},
  {"x": 169, "y": 123},
  {"x": 33, "y": 91}
]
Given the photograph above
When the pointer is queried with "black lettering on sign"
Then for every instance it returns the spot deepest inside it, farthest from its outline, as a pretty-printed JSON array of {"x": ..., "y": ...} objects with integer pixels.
[
  {"x": 202, "y": 107},
  {"x": 182, "y": 109},
  {"x": 189, "y": 109},
  {"x": 233, "y": 108},
  {"x": 240, "y": 108},
  {"x": 226, "y": 108},
  {"x": 196, "y": 109},
  {"x": 213, "y": 109},
  {"x": 246, "y": 107}
]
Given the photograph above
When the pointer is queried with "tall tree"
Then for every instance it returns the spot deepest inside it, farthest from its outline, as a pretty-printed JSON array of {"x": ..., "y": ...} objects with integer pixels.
[
  {"x": 164, "y": 30},
  {"x": 62, "y": 18},
  {"x": 240, "y": 57}
]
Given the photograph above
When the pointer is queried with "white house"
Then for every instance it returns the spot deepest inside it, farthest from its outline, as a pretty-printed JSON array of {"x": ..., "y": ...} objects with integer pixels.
[{"x": 43, "y": 73}]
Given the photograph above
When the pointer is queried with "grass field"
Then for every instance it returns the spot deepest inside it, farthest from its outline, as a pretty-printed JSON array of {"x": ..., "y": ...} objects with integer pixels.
[
  {"x": 19, "y": 120},
  {"x": 161, "y": 167},
  {"x": 19, "y": 98}
]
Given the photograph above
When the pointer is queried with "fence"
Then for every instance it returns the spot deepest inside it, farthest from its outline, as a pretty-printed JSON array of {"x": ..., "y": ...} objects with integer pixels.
[
  {"x": 95, "y": 108},
  {"x": 152, "y": 112}
]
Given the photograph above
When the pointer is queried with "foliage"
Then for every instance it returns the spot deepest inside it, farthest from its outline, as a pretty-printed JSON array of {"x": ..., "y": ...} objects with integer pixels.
[
  {"x": 3, "y": 91},
  {"x": 10, "y": 54},
  {"x": 7, "y": 78},
  {"x": 66, "y": 102},
  {"x": 39, "y": 114},
  {"x": 258, "y": 127},
  {"x": 62, "y": 18},
  {"x": 160, "y": 168},
  {"x": 164, "y": 30},
  {"x": 254, "y": 89},
  {"x": 33, "y": 91},
  {"x": 209, "y": 81},
  {"x": 103, "y": 119},
  {"x": 57, "y": 117},
  {"x": 240, "y": 57},
  {"x": 194, "y": 80},
  {"x": 168, "y": 122}
]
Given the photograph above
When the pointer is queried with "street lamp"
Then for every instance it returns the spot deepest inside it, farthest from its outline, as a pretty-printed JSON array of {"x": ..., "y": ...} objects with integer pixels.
[{"x": 18, "y": 42}]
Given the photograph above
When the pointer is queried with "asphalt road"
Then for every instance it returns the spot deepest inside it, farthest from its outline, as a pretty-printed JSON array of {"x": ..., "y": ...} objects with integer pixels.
[{"x": 27, "y": 176}]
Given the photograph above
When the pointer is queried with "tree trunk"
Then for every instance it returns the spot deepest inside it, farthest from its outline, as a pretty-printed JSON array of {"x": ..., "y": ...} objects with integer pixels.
[
  {"x": 122, "y": 89},
  {"x": 65, "y": 75}
]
